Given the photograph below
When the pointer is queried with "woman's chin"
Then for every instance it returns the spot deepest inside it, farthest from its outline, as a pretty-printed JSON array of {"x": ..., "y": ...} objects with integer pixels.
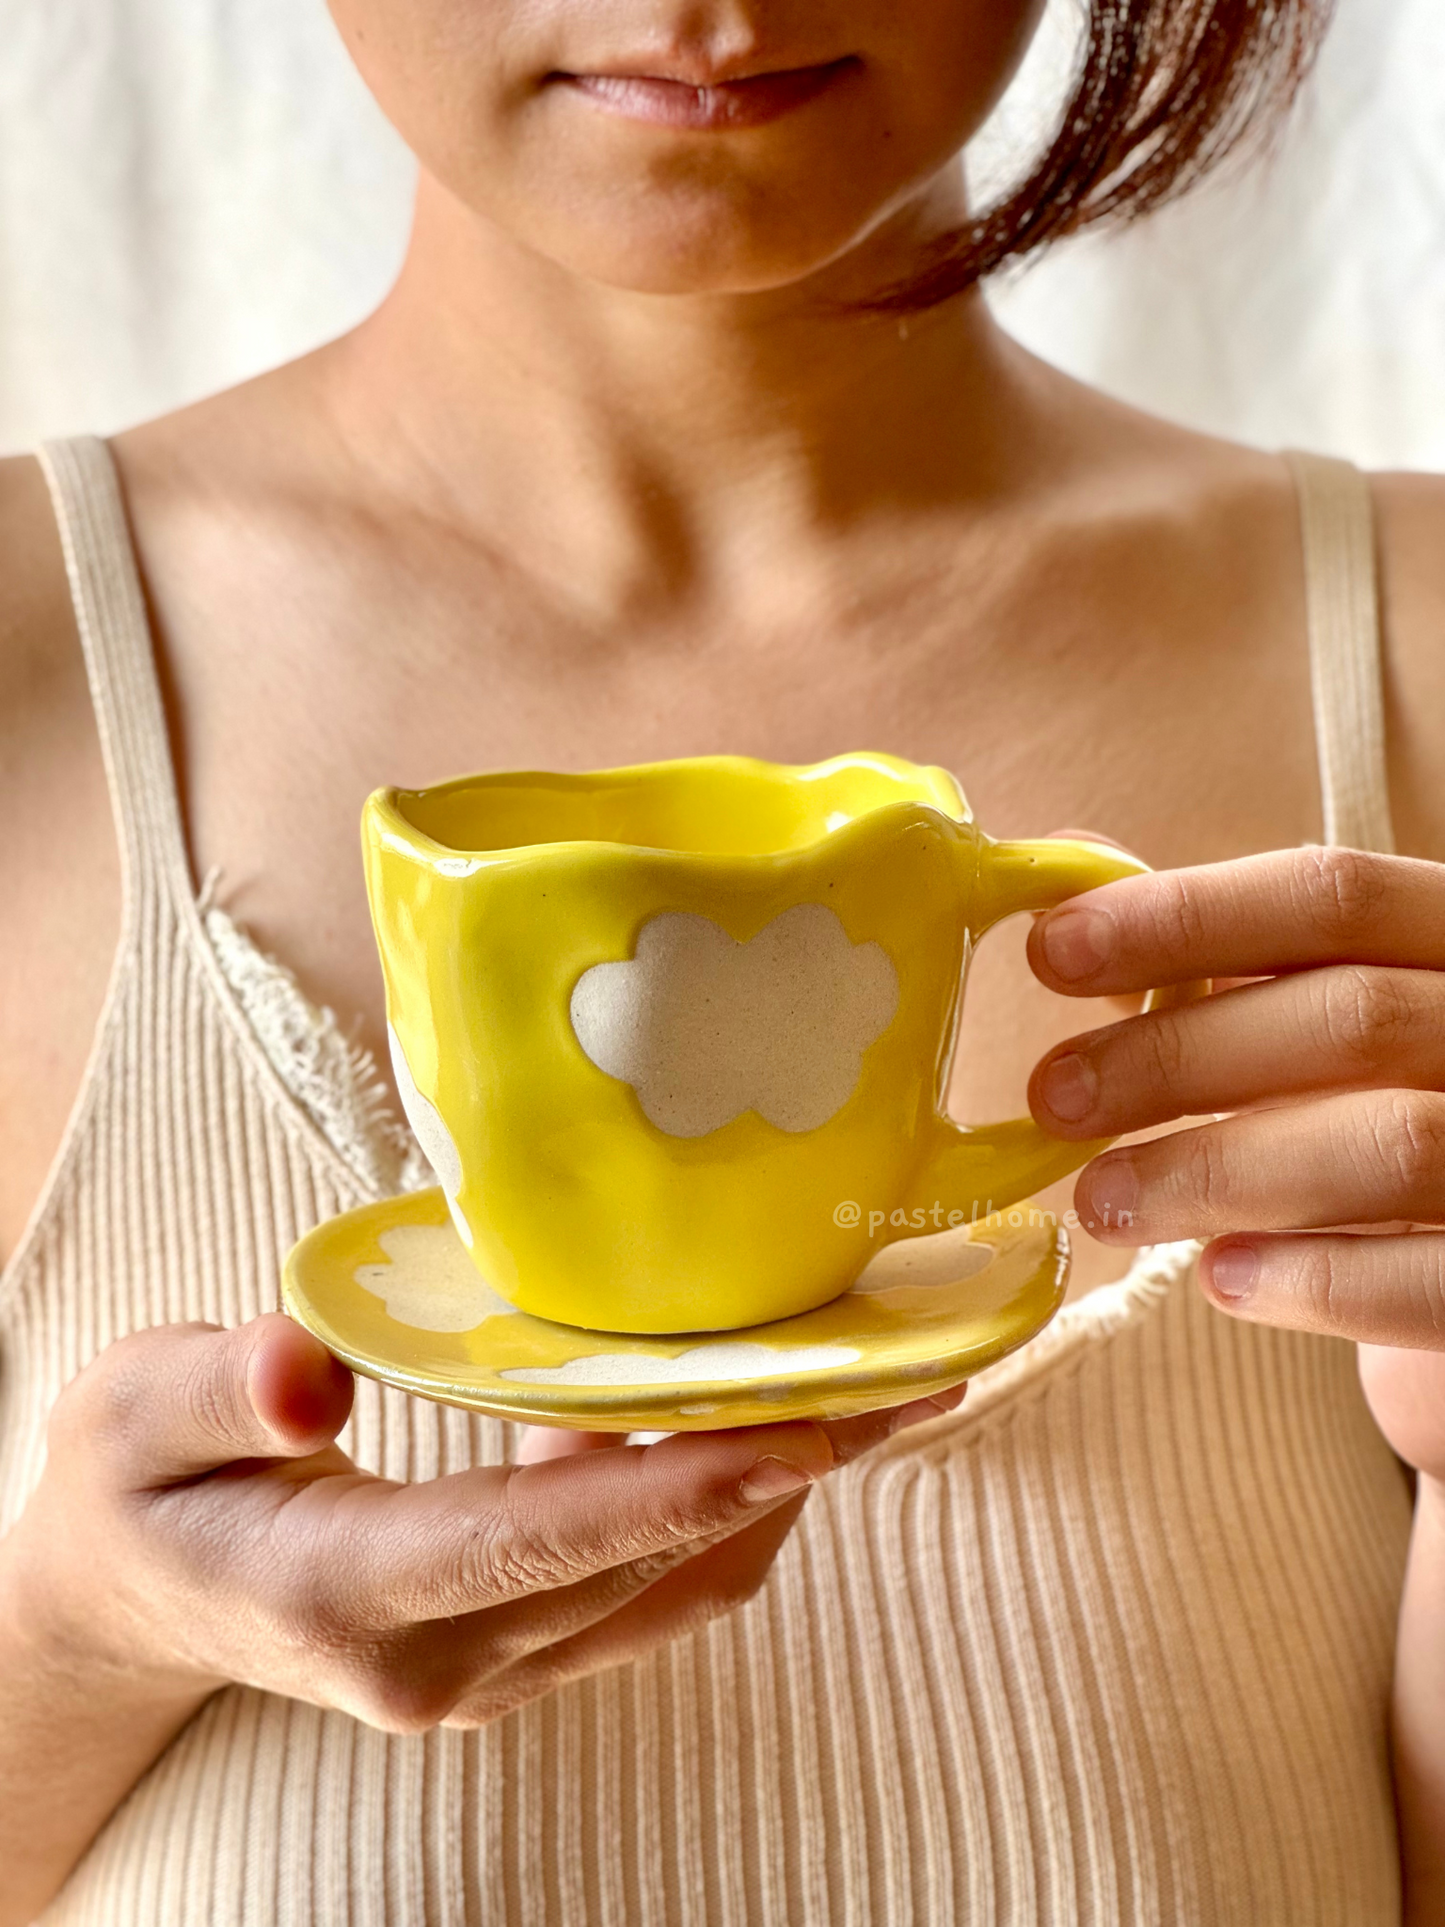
[
  {"x": 713, "y": 227},
  {"x": 700, "y": 277},
  {"x": 698, "y": 257}
]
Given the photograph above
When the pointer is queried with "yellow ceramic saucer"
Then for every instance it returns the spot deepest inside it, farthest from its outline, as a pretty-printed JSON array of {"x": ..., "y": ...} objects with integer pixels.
[{"x": 390, "y": 1290}]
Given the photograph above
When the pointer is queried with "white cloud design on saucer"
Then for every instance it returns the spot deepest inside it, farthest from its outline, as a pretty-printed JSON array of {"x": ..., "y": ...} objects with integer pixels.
[
  {"x": 705, "y": 1028},
  {"x": 431, "y": 1284},
  {"x": 694, "y": 1367},
  {"x": 430, "y": 1131}
]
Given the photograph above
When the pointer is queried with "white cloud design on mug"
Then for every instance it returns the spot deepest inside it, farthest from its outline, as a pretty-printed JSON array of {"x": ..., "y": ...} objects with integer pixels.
[{"x": 705, "y": 1028}]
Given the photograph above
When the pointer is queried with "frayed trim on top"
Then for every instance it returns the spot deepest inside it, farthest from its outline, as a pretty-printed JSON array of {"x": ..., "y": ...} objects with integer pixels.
[{"x": 334, "y": 1078}]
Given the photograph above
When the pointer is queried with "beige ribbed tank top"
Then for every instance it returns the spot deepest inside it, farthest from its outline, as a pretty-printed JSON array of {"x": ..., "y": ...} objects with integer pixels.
[{"x": 1110, "y": 1645}]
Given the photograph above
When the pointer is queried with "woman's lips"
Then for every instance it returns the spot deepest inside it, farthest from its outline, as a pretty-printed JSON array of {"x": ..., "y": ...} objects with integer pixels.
[{"x": 729, "y": 104}]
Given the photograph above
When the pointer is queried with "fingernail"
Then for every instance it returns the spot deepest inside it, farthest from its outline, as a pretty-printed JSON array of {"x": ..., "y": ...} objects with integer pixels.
[
  {"x": 772, "y": 1479},
  {"x": 1077, "y": 943},
  {"x": 923, "y": 1409},
  {"x": 1233, "y": 1272},
  {"x": 1112, "y": 1188},
  {"x": 1069, "y": 1086}
]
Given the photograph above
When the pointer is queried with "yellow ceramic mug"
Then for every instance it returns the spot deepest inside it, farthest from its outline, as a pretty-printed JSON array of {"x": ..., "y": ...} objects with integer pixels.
[{"x": 657, "y": 1028}]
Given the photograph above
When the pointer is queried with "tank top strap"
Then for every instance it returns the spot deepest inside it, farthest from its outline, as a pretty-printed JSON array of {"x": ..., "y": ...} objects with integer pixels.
[
  {"x": 115, "y": 634},
  {"x": 1346, "y": 658}
]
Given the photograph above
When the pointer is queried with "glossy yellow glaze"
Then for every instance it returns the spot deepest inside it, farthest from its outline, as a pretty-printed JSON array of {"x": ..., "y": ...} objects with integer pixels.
[
  {"x": 354, "y": 1282},
  {"x": 493, "y": 895}
]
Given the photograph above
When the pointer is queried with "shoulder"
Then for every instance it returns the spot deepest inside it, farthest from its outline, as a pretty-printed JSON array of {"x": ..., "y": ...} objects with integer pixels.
[
  {"x": 1410, "y": 513},
  {"x": 35, "y": 619},
  {"x": 45, "y": 728},
  {"x": 45, "y": 725},
  {"x": 59, "y": 870},
  {"x": 1240, "y": 510}
]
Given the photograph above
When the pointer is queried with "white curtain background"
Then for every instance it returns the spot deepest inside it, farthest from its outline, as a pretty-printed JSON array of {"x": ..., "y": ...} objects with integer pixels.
[{"x": 193, "y": 190}]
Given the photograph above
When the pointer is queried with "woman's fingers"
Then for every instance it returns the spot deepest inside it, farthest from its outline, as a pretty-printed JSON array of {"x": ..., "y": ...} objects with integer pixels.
[
  {"x": 539, "y": 1443},
  {"x": 852, "y": 1437},
  {"x": 848, "y": 1437},
  {"x": 1248, "y": 918},
  {"x": 1330, "y": 1029},
  {"x": 426, "y": 1674},
  {"x": 1378, "y": 1290},
  {"x": 456, "y": 1544},
  {"x": 482, "y": 1645},
  {"x": 508, "y": 1633},
  {"x": 475, "y": 1665},
  {"x": 1375, "y": 1157},
  {"x": 168, "y": 1404},
  {"x": 716, "y": 1580}
]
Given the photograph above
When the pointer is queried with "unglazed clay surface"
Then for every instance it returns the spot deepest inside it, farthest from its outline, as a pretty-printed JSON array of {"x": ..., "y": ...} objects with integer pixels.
[{"x": 704, "y": 1028}]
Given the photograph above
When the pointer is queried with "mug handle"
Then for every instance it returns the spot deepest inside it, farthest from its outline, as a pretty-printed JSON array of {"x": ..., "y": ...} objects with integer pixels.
[{"x": 975, "y": 1169}]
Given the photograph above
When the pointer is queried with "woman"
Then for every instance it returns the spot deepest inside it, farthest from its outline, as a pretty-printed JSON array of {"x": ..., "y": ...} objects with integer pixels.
[{"x": 684, "y": 430}]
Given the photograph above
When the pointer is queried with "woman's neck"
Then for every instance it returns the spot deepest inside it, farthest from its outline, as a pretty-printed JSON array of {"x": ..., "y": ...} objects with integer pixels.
[{"x": 654, "y": 444}]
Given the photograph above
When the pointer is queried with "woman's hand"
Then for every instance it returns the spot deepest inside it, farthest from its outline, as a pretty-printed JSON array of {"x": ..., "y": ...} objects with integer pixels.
[
  {"x": 1334, "y": 1067},
  {"x": 196, "y": 1524},
  {"x": 1323, "y": 1195}
]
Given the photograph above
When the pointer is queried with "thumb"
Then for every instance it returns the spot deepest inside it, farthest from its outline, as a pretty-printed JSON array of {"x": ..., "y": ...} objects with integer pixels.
[
  {"x": 181, "y": 1400},
  {"x": 1095, "y": 836},
  {"x": 298, "y": 1391},
  {"x": 1173, "y": 995}
]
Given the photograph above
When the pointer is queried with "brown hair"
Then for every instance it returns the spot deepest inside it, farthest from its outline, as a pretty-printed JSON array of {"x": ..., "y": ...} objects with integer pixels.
[{"x": 1166, "y": 89}]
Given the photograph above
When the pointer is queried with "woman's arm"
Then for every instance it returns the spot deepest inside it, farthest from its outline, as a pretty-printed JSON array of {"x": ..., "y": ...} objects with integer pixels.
[
  {"x": 1406, "y": 1390},
  {"x": 75, "y": 1737},
  {"x": 1418, "y": 1714}
]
